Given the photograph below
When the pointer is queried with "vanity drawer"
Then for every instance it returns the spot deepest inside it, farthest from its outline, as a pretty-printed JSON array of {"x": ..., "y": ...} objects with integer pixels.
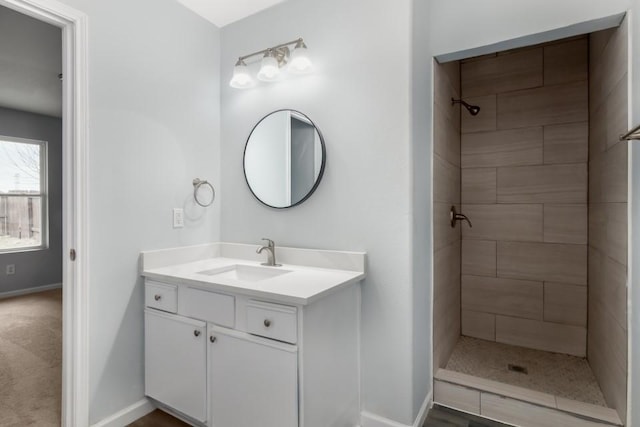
[
  {"x": 209, "y": 306},
  {"x": 274, "y": 321},
  {"x": 161, "y": 296}
]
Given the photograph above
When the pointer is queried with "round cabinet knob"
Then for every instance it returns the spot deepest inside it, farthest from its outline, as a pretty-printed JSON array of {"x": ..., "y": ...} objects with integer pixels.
[
  {"x": 158, "y": 297},
  {"x": 196, "y": 333},
  {"x": 267, "y": 322},
  {"x": 212, "y": 339}
]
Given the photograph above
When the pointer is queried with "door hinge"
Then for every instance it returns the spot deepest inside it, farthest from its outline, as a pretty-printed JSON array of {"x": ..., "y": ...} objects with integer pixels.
[{"x": 72, "y": 254}]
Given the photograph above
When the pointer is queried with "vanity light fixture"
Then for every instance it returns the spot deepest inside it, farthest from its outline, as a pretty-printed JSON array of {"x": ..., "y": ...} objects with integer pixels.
[{"x": 273, "y": 59}]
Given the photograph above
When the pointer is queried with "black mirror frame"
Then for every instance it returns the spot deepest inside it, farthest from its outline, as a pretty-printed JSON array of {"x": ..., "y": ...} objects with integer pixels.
[{"x": 322, "y": 167}]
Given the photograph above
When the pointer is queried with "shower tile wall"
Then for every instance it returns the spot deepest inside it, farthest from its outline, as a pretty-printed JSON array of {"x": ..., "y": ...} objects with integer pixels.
[
  {"x": 607, "y": 348},
  {"x": 446, "y": 318},
  {"x": 524, "y": 187}
]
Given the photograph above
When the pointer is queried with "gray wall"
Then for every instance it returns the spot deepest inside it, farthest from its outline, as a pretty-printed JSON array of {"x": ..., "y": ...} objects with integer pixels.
[
  {"x": 154, "y": 127},
  {"x": 42, "y": 267},
  {"x": 359, "y": 99},
  {"x": 468, "y": 24},
  {"x": 421, "y": 145}
]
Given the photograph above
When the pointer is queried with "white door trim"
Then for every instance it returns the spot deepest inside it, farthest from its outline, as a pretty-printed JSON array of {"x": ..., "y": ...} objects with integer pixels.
[{"x": 75, "y": 349}]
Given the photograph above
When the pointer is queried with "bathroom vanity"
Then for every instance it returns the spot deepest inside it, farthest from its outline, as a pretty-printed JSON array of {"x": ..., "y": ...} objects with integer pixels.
[{"x": 232, "y": 343}]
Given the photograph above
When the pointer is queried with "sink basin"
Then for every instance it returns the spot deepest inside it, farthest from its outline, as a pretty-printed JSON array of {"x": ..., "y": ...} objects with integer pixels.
[{"x": 245, "y": 273}]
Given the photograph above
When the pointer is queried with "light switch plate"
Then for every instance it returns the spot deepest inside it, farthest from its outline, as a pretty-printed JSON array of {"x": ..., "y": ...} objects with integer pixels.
[
  {"x": 11, "y": 269},
  {"x": 178, "y": 218}
]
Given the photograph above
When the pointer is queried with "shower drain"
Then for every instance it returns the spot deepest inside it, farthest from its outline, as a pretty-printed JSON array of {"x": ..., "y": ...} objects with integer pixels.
[{"x": 517, "y": 368}]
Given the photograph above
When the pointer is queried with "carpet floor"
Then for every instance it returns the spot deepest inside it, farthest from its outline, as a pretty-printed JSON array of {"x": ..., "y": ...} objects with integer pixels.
[{"x": 31, "y": 360}]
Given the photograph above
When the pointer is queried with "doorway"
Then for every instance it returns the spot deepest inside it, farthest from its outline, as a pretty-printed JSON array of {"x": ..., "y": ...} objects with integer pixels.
[
  {"x": 30, "y": 220},
  {"x": 73, "y": 25}
]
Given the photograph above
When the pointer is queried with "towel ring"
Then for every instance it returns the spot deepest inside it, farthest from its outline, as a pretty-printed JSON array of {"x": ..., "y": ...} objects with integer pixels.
[{"x": 197, "y": 183}]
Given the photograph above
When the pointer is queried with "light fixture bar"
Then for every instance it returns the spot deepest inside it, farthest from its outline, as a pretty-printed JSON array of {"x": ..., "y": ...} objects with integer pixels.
[
  {"x": 273, "y": 60},
  {"x": 273, "y": 48}
]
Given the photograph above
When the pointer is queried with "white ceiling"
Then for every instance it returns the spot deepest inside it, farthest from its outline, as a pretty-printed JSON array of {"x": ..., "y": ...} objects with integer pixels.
[
  {"x": 30, "y": 61},
  {"x": 223, "y": 12}
]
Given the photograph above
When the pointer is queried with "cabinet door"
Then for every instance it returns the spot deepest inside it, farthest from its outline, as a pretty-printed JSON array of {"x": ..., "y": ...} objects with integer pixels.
[
  {"x": 175, "y": 362},
  {"x": 253, "y": 381}
]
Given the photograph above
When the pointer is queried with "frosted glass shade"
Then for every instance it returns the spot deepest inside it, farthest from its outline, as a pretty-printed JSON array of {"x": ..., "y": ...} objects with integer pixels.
[
  {"x": 269, "y": 69},
  {"x": 241, "y": 78},
  {"x": 300, "y": 62}
]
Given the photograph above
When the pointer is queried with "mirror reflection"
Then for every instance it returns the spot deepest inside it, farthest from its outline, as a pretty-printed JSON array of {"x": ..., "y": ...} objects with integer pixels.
[{"x": 284, "y": 159}]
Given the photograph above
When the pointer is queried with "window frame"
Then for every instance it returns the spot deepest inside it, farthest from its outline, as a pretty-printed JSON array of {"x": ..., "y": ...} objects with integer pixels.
[{"x": 43, "y": 194}]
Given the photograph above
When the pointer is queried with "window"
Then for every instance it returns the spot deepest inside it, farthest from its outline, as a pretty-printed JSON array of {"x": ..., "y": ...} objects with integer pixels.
[{"x": 23, "y": 194}]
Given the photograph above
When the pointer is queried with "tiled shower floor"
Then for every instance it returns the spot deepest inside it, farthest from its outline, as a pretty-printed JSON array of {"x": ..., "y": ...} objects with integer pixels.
[{"x": 553, "y": 373}]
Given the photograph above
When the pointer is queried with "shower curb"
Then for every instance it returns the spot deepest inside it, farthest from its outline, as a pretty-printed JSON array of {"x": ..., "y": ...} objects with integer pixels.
[{"x": 516, "y": 405}]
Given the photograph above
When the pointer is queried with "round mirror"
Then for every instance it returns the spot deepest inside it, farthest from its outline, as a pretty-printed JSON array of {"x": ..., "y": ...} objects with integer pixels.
[{"x": 284, "y": 159}]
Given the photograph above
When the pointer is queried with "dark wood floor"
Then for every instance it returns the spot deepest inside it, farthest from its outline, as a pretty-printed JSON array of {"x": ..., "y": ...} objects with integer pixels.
[
  {"x": 438, "y": 417},
  {"x": 158, "y": 418},
  {"x": 444, "y": 417}
]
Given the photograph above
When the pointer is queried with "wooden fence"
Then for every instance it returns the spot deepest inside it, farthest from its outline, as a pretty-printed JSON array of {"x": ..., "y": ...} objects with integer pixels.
[{"x": 20, "y": 216}]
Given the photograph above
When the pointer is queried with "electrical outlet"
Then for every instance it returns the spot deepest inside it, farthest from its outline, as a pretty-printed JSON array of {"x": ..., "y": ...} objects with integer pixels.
[
  {"x": 11, "y": 269},
  {"x": 178, "y": 218}
]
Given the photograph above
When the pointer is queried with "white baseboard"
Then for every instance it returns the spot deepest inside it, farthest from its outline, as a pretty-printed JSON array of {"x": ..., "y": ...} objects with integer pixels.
[
  {"x": 128, "y": 414},
  {"x": 424, "y": 410},
  {"x": 368, "y": 419},
  {"x": 27, "y": 291},
  {"x": 372, "y": 420}
]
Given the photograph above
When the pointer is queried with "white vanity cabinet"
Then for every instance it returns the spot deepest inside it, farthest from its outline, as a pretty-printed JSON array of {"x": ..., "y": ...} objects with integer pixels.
[
  {"x": 234, "y": 360},
  {"x": 231, "y": 342},
  {"x": 176, "y": 357},
  {"x": 253, "y": 381}
]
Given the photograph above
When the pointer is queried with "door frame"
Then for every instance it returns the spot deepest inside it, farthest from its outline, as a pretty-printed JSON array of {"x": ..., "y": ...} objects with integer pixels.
[{"x": 75, "y": 348}]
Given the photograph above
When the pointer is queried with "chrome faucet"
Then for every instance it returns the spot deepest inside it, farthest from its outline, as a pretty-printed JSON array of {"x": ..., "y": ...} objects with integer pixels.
[{"x": 271, "y": 253}]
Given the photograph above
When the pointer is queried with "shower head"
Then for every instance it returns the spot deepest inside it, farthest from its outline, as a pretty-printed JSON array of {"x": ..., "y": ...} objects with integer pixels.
[{"x": 473, "y": 109}]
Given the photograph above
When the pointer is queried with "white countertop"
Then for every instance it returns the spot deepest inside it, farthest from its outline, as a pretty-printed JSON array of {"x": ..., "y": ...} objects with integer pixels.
[{"x": 302, "y": 285}]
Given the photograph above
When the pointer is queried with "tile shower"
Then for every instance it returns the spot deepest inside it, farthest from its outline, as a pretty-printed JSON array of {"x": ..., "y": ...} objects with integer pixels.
[{"x": 540, "y": 277}]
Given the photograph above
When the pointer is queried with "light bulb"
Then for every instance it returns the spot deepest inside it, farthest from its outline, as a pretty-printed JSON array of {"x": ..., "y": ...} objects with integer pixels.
[
  {"x": 300, "y": 62},
  {"x": 241, "y": 78},
  {"x": 269, "y": 69}
]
